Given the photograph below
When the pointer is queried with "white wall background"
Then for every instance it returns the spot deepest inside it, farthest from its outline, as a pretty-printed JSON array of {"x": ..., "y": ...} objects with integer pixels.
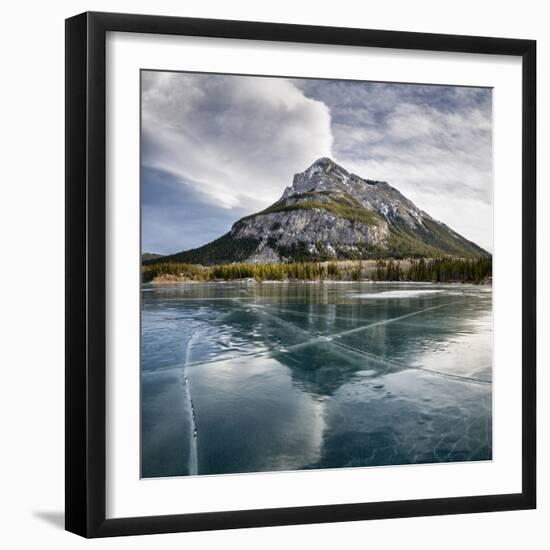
[{"x": 31, "y": 275}]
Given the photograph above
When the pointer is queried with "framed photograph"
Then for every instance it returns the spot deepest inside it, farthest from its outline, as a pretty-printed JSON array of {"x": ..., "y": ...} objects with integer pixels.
[{"x": 300, "y": 274}]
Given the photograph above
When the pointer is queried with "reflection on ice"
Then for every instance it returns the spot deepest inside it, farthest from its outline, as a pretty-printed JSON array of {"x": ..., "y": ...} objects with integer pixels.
[
  {"x": 296, "y": 376},
  {"x": 254, "y": 418},
  {"x": 384, "y": 295}
]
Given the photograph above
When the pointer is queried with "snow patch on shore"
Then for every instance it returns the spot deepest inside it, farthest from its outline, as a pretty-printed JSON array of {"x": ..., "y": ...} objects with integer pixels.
[{"x": 396, "y": 294}]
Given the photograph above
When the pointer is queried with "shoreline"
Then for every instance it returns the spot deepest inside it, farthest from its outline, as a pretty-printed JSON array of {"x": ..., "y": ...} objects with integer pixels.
[
  {"x": 459, "y": 270},
  {"x": 160, "y": 281}
]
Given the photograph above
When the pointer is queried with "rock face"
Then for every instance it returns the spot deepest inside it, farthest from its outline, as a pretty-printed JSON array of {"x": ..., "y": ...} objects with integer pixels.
[
  {"x": 312, "y": 229},
  {"x": 328, "y": 213}
]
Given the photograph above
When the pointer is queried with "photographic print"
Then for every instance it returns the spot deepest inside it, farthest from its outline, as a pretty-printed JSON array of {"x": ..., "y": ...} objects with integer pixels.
[{"x": 316, "y": 278}]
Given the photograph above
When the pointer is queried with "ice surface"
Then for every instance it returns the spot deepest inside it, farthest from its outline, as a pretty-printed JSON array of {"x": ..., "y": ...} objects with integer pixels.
[{"x": 245, "y": 378}]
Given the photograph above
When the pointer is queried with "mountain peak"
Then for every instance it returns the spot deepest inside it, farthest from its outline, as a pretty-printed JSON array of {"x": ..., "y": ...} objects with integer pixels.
[
  {"x": 325, "y": 162},
  {"x": 323, "y": 175},
  {"x": 324, "y": 165}
]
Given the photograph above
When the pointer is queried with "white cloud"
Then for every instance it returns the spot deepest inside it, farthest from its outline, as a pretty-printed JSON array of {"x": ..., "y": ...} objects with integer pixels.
[{"x": 236, "y": 140}]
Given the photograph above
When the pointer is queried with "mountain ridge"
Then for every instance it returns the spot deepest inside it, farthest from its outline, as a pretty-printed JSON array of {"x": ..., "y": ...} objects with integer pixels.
[{"x": 329, "y": 213}]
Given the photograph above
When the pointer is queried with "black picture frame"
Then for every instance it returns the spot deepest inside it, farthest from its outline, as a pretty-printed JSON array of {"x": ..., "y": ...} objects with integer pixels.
[{"x": 86, "y": 268}]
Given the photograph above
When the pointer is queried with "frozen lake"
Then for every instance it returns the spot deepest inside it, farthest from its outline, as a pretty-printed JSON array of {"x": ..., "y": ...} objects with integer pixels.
[{"x": 240, "y": 377}]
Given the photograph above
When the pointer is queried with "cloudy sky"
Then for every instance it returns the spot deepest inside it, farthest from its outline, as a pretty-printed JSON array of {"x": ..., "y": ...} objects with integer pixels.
[{"x": 218, "y": 147}]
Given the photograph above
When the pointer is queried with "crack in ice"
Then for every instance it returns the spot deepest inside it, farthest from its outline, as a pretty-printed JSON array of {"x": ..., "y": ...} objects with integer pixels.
[
  {"x": 193, "y": 454},
  {"x": 329, "y": 339}
]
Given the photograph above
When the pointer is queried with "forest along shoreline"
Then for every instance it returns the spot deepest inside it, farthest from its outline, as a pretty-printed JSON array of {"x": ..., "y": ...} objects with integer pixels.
[{"x": 432, "y": 270}]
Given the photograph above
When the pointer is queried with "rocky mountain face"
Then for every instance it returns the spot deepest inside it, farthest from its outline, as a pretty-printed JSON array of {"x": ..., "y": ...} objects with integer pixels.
[{"x": 327, "y": 214}]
